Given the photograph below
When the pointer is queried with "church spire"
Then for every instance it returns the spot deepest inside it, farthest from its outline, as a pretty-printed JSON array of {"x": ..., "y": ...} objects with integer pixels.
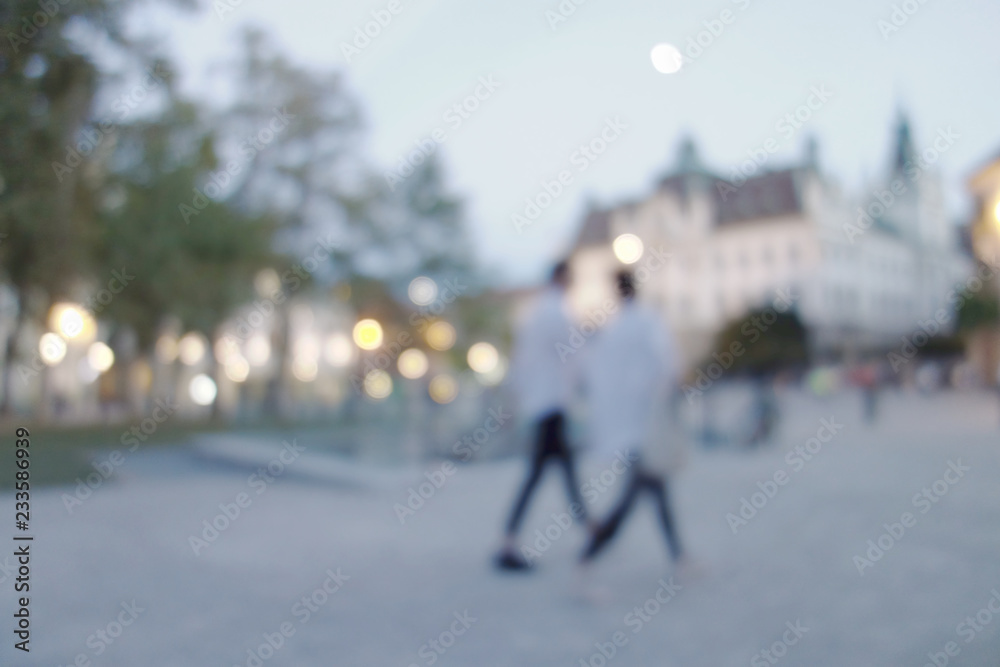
[
  {"x": 687, "y": 157},
  {"x": 904, "y": 152}
]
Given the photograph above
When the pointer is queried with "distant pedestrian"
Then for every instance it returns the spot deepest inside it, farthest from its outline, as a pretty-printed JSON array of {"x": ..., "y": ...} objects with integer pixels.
[
  {"x": 630, "y": 379},
  {"x": 543, "y": 383}
]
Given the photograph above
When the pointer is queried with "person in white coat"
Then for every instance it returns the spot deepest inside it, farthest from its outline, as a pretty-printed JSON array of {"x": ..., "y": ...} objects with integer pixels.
[
  {"x": 630, "y": 377},
  {"x": 543, "y": 384}
]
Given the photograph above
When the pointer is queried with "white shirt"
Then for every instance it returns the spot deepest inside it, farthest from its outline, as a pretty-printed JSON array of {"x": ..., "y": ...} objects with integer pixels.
[
  {"x": 541, "y": 380},
  {"x": 630, "y": 374}
]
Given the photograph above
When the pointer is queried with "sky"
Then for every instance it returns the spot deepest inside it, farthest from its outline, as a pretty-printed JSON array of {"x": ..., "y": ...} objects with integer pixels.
[{"x": 557, "y": 84}]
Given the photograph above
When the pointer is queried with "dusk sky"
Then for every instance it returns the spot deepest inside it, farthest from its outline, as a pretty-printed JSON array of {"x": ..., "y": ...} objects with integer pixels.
[{"x": 560, "y": 84}]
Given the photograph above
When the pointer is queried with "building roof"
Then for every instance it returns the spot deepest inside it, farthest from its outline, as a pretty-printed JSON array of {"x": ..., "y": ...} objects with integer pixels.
[
  {"x": 768, "y": 195},
  {"x": 595, "y": 229}
]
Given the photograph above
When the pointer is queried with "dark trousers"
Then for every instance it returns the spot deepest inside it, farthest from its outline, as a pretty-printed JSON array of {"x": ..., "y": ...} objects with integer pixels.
[
  {"x": 550, "y": 445},
  {"x": 641, "y": 481}
]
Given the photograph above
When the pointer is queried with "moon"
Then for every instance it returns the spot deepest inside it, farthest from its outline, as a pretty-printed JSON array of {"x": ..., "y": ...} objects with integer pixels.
[{"x": 666, "y": 58}]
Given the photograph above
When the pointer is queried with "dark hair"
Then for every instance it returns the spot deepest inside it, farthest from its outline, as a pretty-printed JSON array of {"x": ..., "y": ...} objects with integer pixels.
[
  {"x": 626, "y": 284},
  {"x": 560, "y": 272}
]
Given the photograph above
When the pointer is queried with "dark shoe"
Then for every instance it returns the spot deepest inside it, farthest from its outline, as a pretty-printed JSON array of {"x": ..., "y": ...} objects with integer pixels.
[{"x": 510, "y": 561}]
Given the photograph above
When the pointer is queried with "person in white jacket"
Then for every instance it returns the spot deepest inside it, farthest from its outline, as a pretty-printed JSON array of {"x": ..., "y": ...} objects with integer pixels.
[
  {"x": 543, "y": 384},
  {"x": 630, "y": 377}
]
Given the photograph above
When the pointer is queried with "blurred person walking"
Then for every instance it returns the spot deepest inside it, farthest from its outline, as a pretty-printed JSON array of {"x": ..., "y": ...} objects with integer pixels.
[
  {"x": 543, "y": 383},
  {"x": 630, "y": 379}
]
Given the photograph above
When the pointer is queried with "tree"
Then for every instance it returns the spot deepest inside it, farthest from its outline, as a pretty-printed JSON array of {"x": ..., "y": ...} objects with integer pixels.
[{"x": 770, "y": 341}]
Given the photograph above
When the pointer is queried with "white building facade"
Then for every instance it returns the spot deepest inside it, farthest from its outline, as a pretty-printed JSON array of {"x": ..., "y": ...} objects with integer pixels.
[{"x": 861, "y": 272}]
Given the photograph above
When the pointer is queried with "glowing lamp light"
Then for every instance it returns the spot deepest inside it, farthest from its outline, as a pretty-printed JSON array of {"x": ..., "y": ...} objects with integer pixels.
[
  {"x": 443, "y": 389},
  {"x": 666, "y": 58},
  {"x": 225, "y": 348},
  {"x": 202, "y": 389},
  {"x": 440, "y": 336},
  {"x": 495, "y": 376},
  {"x": 338, "y": 350},
  {"x": 422, "y": 291},
  {"x": 166, "y": 349},
  {"x": 412, "y": 363},
  {"x": 258, "y": 350},
  {"x": 368, "y": 334},
  {"x": 266, "y": 283},
  {"x": 191, "y": 349},
  {"x": 378, "y": 384},
  {"x": 237, "y": 369},
  {"x": 627, "y": 248},
  {"x": 100, "y": 357},
  {"x": 996, "y": 213},
  {"x": 482, "y": 357},
  {"x": 52, "y": 348},
  {"x": 304, "y": 368},
  {"x": 72, "y": 321}
]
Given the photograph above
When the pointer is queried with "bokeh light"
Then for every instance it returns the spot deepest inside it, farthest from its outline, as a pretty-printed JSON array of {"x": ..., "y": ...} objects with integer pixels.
[
  {"x": 494, "y": 377},
  {"x": 628, "y": 248},
  {"x": 443, "y": 389},
  {"x": 482, "y": 357},
  {"x": 368, "y": 334},
  {"x": 72, "y": 321},
  {"x": 166, "y": 349},
  {"x": 237, "y": 368},
  {"x": 305, "y": 368},
  {"x": 258, "y": 350},
  {"x": 191, "y": 348},
  {"x": 412, "y": 363},
  {"x": 266, "y": 283},
  {"x": 100, "y": 357},
  {"x": 52, "y": 348},
  {"x": 422, "y": 291},
  {"x": 378, "y": 384},
  {"x": 338, "y": 350},
  {"x": 440, "y": 336},
  {"x": 202, "y": 389},
  {"x": 225, "y": 348},
  {"x": 666, "y": 58}
]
